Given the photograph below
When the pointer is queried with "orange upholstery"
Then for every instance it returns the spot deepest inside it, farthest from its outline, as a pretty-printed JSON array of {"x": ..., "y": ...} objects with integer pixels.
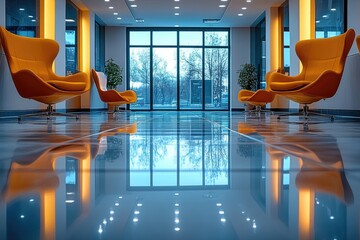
[
  {"x": 323, "y": 63},
  {"x": 30, "y": 61},
  {"x": 358, "y": 42},
  {"x": 111, "y": 96},
  {"x": 257, "y": 98}
]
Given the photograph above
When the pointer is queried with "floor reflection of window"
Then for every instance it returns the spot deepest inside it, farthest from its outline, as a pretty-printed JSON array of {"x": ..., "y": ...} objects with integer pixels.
[
  {"x": 284, "y": 191},
  {"x": 23, "y": 213},
  {"x": 73, "y": 204},
  {"x": 186, "y": 159},
  {"x": 330, "y": 217}
]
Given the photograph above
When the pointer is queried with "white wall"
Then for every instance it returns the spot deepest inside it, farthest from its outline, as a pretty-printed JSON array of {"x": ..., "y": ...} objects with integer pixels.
[
  {"x": 115, "y": 48},
  {"x": 240, "y": 54}
]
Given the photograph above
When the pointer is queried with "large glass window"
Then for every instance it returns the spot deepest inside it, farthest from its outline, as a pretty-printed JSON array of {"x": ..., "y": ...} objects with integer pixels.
[
  {"x": 258, "y": 49},
  {"x": 22, "y": 17},
  {"x": 179, "y": 69},
  {"x": 330, "y": 18},
  {"x": 71, "y": 38},
  {"x": 285, "y": 41},
  {"x": 99, "y": 46},
  {"x": 186, "y": 160}
]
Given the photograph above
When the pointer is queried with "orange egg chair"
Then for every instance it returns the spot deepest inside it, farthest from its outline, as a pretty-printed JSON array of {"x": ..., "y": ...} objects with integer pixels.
[
  {"x": 323, "y": 62},
  {"x": 112, "y": 97},
  {"x": 30, "y": 61}
]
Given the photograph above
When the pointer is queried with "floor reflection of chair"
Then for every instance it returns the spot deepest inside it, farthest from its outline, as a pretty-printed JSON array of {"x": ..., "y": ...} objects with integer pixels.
[
  {"x": 321, "y": 172},
  {"x": 33, "y": 171},
  {"x": 108, "y": 131}
]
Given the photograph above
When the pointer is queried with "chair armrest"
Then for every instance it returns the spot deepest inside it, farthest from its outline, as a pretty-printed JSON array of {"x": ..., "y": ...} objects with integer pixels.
[
  {"x": 279, "y": 77},
  {"x": 76, "y": 77},
  {"x": 29, "y": 84},
  {"x": 325, "y": 85},
  {"x": 245, "y": 93}
]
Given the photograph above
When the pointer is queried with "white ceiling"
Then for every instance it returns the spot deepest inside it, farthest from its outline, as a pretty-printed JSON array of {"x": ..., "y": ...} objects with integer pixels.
[{"x": 161, "y": 13}]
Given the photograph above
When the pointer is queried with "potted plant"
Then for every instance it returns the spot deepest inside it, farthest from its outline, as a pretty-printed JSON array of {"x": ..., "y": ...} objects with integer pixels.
[
  {"x": 113, "y": 73},
  {"x": 248, "y": 79}
]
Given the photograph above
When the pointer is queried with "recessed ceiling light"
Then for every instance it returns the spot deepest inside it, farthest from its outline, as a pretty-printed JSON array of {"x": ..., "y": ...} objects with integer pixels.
[
  {"x": 248, "y": 0},
  {"x": 133, "y": 5},
  {"x": 333, "y": 9},
  {"x": 140, "y": 20},
  {"x": 131, "y": 0},
  {"x": 177, "y": 14},
  {"x": 111, "y": 7},
  {"x": 244, "y": 8},
  {"x": 224, "y": 0},
  {"x": 240, "y": 14},
  {"x": 118, "y": 18},
  {"x": 176, "y": 7},
  {"x": 222, "y": 6},
  {"x": 115, "y": 13},
  {"x": 22, "y": 9},
  {"x": 177, "y": 0},
  {"x": 176, "y": 25},
  {"x": 107, "y": 0}
]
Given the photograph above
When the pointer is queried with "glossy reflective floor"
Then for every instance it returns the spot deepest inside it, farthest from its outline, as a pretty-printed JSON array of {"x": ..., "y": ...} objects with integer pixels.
[{"x": 179, "y": 175}]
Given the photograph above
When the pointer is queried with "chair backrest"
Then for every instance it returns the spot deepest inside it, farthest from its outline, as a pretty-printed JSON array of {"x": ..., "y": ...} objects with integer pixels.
[
  {"x": 319, "y": 55},
  {"x": 35, "y": 54},
  {"x": 100, "y": 80},
  {"x": 358, "y": 42}
]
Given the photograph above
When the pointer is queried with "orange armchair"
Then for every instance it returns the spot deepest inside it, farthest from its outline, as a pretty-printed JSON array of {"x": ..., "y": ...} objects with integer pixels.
[
  {"x": 30, "y": 61},
  {"x": 323, "y": 63},
  {"x": 112, "y": 97},
  {"x": 258, "y": 98}
]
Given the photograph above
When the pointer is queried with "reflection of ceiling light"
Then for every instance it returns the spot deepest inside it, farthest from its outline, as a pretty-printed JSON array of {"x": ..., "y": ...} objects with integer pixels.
[
  {"x": 176, "y": 25},
  {"x": 22, "y": 9},
  {"x": 248, "y": 0},
  {"x": 244, "y": 8},
  {"x": 107, "y": 0},
  {"x": 222, "y": 6},
  {"x": 176, "y": 7},
  {"x": 177, "y": 14},
  {"x": 111, "y": 7},
  {"x": 69, "y": 20},
  {"x": 240, "y": 14},
  {"x": 140, "y": 20},
  {"x": 333, "y": 9},
  {"x": 115, "y": 13},
  {"x": 317, "y": 21},
  {"x": 223, "y": 219},
  {"x": 325, "y": 16},
  {"x": 133, "y": 5},
  {"x": 33, "y": 20},
  {"x": 30, "y": 16},
  {"x": 177, "y": 229},
  {"x": 224, "y": 0},
  {"x": 177, "y": 0}
]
